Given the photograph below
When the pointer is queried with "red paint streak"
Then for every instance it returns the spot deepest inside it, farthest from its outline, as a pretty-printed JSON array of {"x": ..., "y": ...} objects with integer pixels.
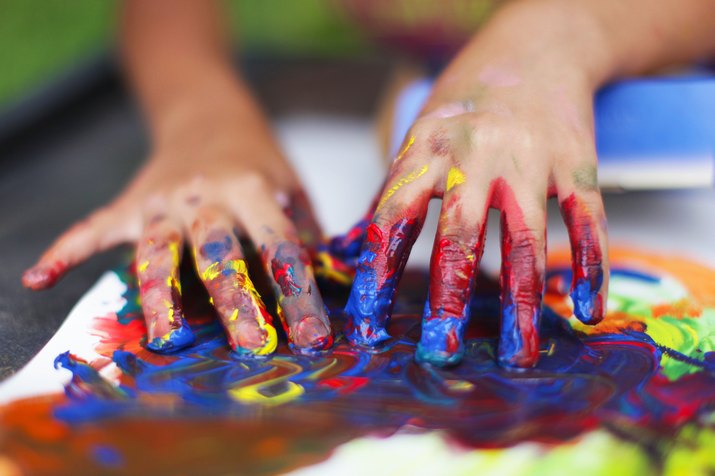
[
  {"x": 451, "y": 274},
  {"x": 41, "y": 277},
  {"x": 586, "y": 255},
  {"x": 344, "y": 384},
  {"x": 283, "y": 274}
]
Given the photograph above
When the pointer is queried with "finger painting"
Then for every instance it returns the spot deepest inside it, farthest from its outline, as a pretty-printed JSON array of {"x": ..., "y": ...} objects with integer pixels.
[{"x": 633, "y": 394}]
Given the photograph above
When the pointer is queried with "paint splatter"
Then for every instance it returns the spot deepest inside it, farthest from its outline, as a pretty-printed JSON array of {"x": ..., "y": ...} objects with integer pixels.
[{"x": 215, "y": 412}]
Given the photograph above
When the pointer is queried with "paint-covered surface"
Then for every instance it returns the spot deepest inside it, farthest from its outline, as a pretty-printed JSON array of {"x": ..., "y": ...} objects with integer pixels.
[{"x": 639, "y": 385}]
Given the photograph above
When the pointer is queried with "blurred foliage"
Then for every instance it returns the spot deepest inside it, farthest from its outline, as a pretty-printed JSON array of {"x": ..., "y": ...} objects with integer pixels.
[
  {"x": 41, "y": 38},
  {"x": 294, "y": 27}
]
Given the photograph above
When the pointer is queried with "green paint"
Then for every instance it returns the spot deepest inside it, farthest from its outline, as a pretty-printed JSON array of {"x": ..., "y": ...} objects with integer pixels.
[{"x": 586, "y": 178}]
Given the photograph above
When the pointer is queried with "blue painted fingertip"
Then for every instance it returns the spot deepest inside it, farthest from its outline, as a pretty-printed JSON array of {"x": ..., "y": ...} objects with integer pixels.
[{"x": 173, "y": 341}]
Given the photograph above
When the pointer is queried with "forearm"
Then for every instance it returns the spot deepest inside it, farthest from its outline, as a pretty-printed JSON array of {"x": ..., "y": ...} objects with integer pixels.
[
  {"x": 178, "y": 61},
  {"x": 592, "y": 41}
]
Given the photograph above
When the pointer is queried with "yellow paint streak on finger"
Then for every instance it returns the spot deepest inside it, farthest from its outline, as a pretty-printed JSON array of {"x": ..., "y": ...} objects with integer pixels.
[
  {"x": 143, "y": 266},
  {"x": 406, "y": 148},
  {"x": 411, "y": 177},
  {"x": 271, "y": 338},
  {"x": 174, "y": 249},
  {"x": 454, "y": 177}
]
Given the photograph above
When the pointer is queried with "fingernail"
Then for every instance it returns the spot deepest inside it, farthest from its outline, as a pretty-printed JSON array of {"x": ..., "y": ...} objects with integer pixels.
[
  {"x": 35, "y": 278},
  {"x": 587, "y": 303},
  {"x": 312, "y": 333}
]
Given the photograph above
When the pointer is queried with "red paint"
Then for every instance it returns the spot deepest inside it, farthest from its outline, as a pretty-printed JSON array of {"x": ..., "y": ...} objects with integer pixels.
[
  {"x": 451, "y": 275},
  {"x": 42, "y": 276},
  {"x": 521, "y": 279},
  {"x": 586, "y": 255},
  {"x": 344, "y": 384}
]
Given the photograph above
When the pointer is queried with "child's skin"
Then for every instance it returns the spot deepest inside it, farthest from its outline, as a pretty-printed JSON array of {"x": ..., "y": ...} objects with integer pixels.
[{"x": 509, "y": 124}]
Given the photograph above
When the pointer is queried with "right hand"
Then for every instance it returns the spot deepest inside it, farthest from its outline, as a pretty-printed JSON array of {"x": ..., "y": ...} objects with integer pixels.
[{"x": 209, "y": 183}]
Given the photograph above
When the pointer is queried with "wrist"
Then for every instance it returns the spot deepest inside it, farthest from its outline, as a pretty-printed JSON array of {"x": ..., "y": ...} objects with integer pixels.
[{"x": 555, "y": 40}]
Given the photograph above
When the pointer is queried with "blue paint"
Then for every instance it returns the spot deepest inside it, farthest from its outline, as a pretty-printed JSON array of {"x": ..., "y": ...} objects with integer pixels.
[
  {"x": 176, "y": 340},
  {"x": 367, "y": 305},
  {"x": 107, "y": 456},
  {"x": 440, "y": 334},
  {"x": 583, "y": 295},
  {"x": 216, "y": 250},
  {"x": 511, "y": 339},
  {"x": 370, "y": 303}
]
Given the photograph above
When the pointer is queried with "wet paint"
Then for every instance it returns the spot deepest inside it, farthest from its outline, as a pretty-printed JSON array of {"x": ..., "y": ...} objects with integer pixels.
[
  {"x": 160, "y": 290},
  {"x": 521, "y": 281},
  {"x": 379, "y": 268},
  {"x": 299, "y": 303},
  {"x": 215, "y": 412},
  {"x": 587, "y": 261},
  {"x": 225, "y": 275},
  {"x": 452, "y": 271}
]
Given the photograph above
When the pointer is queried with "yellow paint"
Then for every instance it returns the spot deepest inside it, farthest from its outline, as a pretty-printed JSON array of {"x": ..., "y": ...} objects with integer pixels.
[
  {"x": 174, "y": 283},
  {"x": 459, "y": 385},
  {"x": 211, "y": 272},
  {"x": 174, "y": 250},
  {"x": 238, "y": 266},
  {"x": 170, "y": 310},
  {"x": 326, "y": 269},
  {"x": 411, "y": 177},
  {"x": 271, "y": 338},
  {"x": 406, "y": 148},
  {"x": 143, "y": 266},
  {"x": 252, "y": 394},
  {"x": 318, "y": 373},
  {"x": 454, "y": 177}
]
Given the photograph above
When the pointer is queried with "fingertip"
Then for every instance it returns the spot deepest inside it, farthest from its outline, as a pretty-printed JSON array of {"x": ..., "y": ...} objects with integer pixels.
[
  {"x": 310, "y": 335},
  {"x": 42, "y": 277},
  {"x": 441, "y": 343},
  {"x": 520, "y": 360},
  {"x": 436, "y": 357},
  {"x": 175, "y": 340},
  {"x": 255, "y": 339},
  {"x": 586, "y": 297},
  {"x": 361, "y": 331}
]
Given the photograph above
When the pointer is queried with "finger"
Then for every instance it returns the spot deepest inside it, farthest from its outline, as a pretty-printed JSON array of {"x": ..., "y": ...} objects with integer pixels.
[
  {"x": 300, "y": 212},
  {"x": 584, "y": 216},
  {"x": 222, "y": 268},
  {"x": 398, "y": 219},
  {"x": 287, "y": 262},
  {"x": 455, "y": 260},
  {"x": 523, "y": 248},
  {"x": 102, "y": 230},
  {"x": 158, "y": 255}
]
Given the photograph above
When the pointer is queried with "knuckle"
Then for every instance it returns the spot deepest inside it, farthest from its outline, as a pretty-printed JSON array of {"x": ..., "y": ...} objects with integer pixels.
[{"x": 254, "y": 182}]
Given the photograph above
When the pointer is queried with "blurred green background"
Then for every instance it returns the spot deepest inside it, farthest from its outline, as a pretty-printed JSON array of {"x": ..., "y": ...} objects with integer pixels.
[{"x": 41, "y": 38}]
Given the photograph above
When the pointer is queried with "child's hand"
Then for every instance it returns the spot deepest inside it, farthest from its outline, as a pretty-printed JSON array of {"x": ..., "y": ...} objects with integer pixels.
[
  {"x": 208, "y": 182},
  {"x": 504, "y": 134}
]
